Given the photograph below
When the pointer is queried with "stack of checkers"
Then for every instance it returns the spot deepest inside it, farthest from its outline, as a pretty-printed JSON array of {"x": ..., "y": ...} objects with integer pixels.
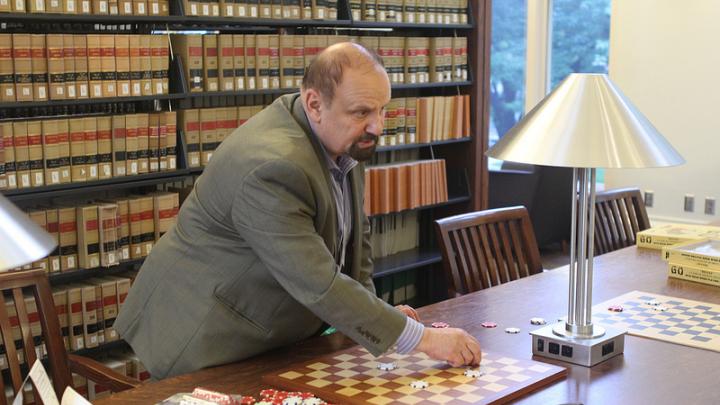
[
  {"x": 201, "y": 396},
  {"x": 276, "y": 397}
]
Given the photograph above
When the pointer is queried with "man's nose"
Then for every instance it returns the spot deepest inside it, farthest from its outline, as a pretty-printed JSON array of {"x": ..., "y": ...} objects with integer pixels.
[{"x": 375, "y": 126}]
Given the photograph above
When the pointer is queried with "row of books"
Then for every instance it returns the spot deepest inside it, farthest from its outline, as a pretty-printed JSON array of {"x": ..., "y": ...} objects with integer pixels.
[
  {"x": 248, "y": 62},
  {"x": 410, "y": 11},
  {"x": 401, "y": 186},
  {"x": 80, "y": 7},
  {"x": 106, "y": 232},
  {"x": 426, "y": 119},
  {"x": 697, "y": 261},
  {"x": 393, "y": 233},
  {"x": 437, "y": 118},
  {"x": 39, "y": 67},
  {"x": 204, "y": 129},
  {"x": 276, "y": 9},
  {"x": 37, "y": 153}
]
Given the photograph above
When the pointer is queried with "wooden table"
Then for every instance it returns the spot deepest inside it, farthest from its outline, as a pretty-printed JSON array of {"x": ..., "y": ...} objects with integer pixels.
[{"x": 650, "y": 372}]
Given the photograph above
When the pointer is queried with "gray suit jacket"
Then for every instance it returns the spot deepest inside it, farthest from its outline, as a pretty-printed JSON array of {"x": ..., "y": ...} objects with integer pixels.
[{"x": 249, "y": 265}]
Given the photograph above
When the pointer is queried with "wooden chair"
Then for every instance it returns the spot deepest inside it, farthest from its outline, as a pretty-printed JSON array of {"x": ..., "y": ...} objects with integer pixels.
[
  {"x": 619, "y": 215},
  {"x": 487, "y": 248},
  {"x": 61, "y": 363}
]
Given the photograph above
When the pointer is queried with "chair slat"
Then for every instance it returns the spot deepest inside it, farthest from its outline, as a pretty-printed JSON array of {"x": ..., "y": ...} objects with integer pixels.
[
  {"x": 499, "y": 254},
  {"x": 482, "y": 259},
  {"x": 600, "y": 241},
  {"x": 53, "y": 342},
  {"x": 613, "y": 235},
  {"x": 626, "y": 222},
  {"x": 523, "y": 269},
  {"x": 25, "y": 331},
  {"x": 507, "y": 252},
  {"x": 476, "y": 258},
  {"x": 634, "y": 222},
  {"x": 615, "y": 207},
  {"x": 471, "y": 267},
  {"x": 492, "y": 268},
  {"x": 602, "y": 229},
  {"x": 459, "y": 260},
  {"x": 9, "y": 341}
]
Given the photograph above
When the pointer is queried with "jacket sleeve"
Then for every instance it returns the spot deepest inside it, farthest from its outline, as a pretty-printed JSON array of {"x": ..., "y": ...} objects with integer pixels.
[{"x": 273, "y": 210}]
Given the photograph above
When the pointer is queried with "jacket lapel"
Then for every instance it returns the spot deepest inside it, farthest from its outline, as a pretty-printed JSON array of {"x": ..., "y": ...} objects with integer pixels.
[
  {"x": 298, "y": 113},
  {"x": 357, "y": 232}
]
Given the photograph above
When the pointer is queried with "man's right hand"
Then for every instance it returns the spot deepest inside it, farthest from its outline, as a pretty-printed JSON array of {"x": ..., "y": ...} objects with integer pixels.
[{"x": 453, "y": 345}]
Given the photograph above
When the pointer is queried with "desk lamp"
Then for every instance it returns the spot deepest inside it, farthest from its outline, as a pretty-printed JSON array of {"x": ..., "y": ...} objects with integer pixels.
[
  {"x": 585, "y": 123},
  {"x": 22, "y": 241}
]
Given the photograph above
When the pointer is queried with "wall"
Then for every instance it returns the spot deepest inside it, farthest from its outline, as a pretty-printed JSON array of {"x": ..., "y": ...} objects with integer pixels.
[{"x": 664, "y": 56}]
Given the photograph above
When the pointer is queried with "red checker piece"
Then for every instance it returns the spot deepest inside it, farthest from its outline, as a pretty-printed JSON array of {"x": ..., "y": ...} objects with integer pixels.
[
  {"x": 488, "y": 324},
  {"x": 440, "y": 325},
  {"x": 615, "y": 308}
]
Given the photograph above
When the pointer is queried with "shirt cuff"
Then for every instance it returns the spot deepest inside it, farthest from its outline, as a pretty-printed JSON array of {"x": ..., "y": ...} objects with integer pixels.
[{"x": 410, "y": 336}]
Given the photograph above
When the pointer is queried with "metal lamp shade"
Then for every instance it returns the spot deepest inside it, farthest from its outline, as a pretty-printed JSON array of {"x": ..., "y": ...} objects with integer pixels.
[
  {"x": 586, "y": 122},
  {"x": 21, "y": 240}
]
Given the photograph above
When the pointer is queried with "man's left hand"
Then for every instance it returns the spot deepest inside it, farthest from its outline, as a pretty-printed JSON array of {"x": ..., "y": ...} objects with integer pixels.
[{"x": 409, "y": 311}]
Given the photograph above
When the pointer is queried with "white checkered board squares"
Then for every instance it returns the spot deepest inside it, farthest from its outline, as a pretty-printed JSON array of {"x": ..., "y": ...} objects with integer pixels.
[
  {"x": 352, "y": 377},
  {"x": 685, "y": 322}
]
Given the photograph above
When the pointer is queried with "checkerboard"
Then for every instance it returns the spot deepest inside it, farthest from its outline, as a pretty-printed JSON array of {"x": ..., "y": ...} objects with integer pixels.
[
  {"x": 352, "y": 377},
  {"x": 685, "y": 322}
]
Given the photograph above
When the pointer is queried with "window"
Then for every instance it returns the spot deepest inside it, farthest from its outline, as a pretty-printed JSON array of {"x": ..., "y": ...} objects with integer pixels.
[
  {"x": 507, "y": 68},
  {"x": 580, "y": 38}
]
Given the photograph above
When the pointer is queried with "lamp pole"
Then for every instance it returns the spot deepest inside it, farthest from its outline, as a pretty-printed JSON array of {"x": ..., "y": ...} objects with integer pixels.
[{"x": 582, "y": 245}]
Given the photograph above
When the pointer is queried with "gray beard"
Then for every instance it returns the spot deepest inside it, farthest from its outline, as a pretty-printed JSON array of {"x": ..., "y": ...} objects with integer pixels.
[{"x": 363, "y": 154}]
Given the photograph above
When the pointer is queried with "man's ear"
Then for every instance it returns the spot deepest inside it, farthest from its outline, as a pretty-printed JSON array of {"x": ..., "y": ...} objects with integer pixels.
[{"x": 313, "y": 104}]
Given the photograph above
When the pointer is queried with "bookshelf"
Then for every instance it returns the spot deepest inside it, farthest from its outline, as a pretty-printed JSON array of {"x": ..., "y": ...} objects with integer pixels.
[{"x": 464, "y": 157}]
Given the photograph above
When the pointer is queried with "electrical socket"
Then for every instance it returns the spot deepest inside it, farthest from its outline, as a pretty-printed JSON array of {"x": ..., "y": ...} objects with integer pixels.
[
  {"x": 689, "y": 203},
  {"x": 709, "y": 206},
  {"x": 649, "y": 198}
]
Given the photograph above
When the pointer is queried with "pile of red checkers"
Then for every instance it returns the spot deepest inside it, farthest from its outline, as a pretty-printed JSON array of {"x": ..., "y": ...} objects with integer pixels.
[{"x": 267, "y": 397}]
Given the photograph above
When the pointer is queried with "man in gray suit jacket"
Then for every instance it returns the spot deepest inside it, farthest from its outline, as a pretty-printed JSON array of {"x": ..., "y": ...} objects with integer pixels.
[{"x": 273, "y": 241}]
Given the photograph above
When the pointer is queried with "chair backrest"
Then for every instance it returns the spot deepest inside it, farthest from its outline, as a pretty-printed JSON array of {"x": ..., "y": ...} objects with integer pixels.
[
  {"x": 619, "y": 215},
  {"x": 16, "y": 322},
  {"x": 486, "y": 248}
]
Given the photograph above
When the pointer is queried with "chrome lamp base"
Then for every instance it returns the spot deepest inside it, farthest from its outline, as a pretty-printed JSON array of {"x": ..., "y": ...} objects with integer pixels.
[{"x": 553, "y": 341}]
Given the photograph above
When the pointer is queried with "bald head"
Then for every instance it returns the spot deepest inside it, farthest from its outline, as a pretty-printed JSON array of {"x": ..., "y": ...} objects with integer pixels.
[{"x": 325, "y": 72}]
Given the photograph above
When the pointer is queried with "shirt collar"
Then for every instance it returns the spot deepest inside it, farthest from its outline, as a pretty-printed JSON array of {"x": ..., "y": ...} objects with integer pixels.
[{"x": 342, "y": 166}]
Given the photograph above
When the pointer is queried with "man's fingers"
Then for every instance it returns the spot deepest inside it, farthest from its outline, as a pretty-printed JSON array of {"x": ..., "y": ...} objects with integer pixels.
[
  {"x": 474, "y": 349},
  {"x": 456, "y": 362},
  {"x": 467, "y": 357},
  {"x": 409, "y": 311}
]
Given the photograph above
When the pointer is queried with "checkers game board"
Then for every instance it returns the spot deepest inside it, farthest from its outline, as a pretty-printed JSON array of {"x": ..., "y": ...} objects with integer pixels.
[
  {"x": 685, "y": 322},
  {"x": 352, "y": 377}
]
